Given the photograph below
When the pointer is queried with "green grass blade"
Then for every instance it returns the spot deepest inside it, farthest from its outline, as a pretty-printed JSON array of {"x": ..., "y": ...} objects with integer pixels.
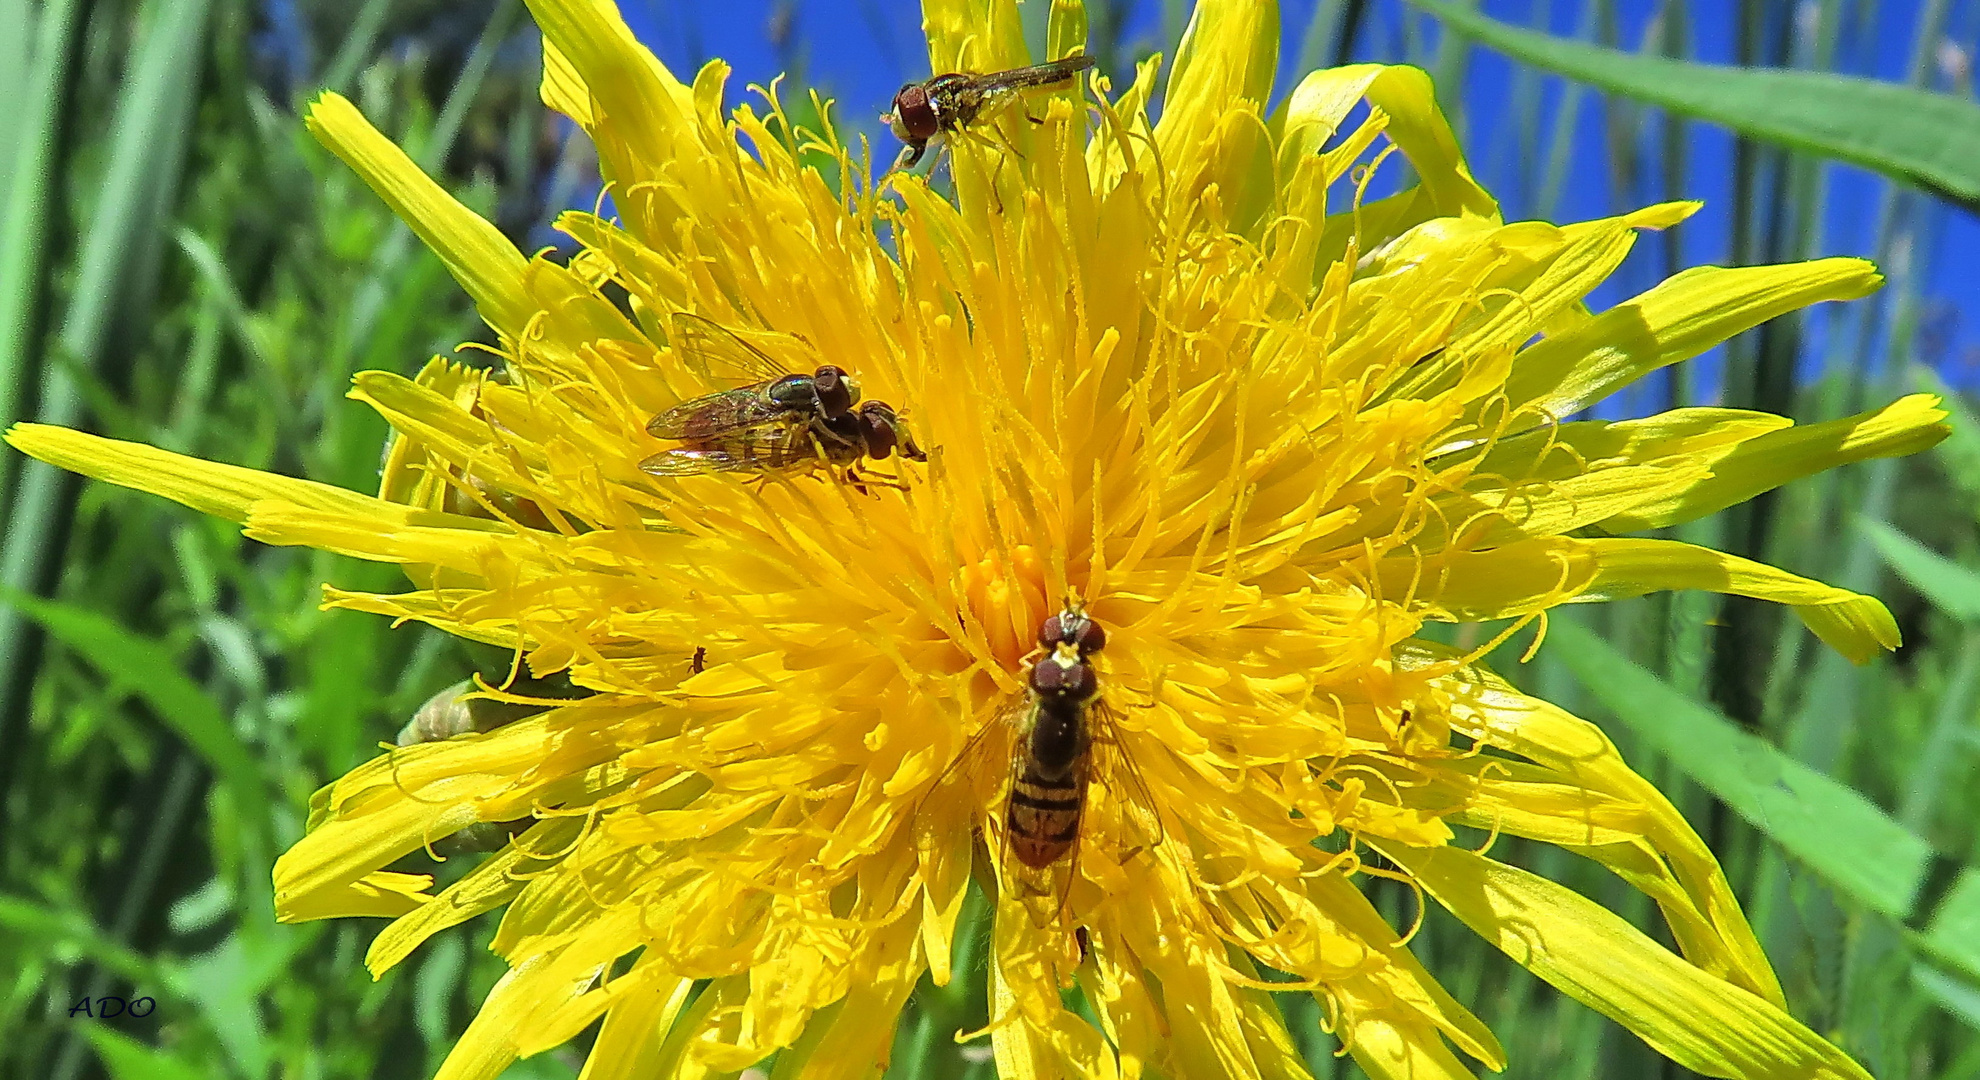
[
  {"x": 1953, "y": 935},
  {"x": 1928, "y": 140},
  {"x": 447, "y": 128},
  {"x": 152, "y": 672},
  {"x": 1840, "y": 834},
  {"x": 126, "y": 1058},
  {"x": 1950, "y": 587},
  {"x": 160, "y": 78},
  {"x": 1956, "y": 997},
  {"x": 24, "y": 217}
]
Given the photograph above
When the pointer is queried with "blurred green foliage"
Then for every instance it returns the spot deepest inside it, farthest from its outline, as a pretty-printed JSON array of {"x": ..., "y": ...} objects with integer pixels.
[{"x": 181, "y": 264}]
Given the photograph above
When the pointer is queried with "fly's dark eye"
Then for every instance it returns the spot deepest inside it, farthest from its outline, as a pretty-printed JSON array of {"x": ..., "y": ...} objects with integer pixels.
[
  {"x": 878, "y": 423},
  {"x": 1050, "y": 633},
  {"x": 836, "y": 390},
  {"x": 914, "y": 118},
  {"x": 1089, "y": 638},
  {"x": 797, "y": 392}
]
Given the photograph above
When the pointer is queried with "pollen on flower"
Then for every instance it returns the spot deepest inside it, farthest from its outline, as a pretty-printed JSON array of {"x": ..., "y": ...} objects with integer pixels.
[{"x": 1008, "y": 599}]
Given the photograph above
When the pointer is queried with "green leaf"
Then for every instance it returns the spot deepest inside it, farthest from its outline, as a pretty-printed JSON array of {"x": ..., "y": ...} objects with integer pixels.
[
  {"x": 1956, "y": 997},
  {"x": 127, "y": 1059},
  {"x": 64, "y": 936},
  {"x": 1921, "y": 138},
  {"x": 138, "y": 665},
  {"x": 1954, "y": 932},
  {"x": 1960, "y": 453},
  {"x": 1840, "y": 834},
  {"x": 1952, "y": 588}
]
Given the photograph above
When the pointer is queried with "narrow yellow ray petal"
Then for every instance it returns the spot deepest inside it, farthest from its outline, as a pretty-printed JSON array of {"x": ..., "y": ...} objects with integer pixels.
[
  {"x": 973, "y": 35},
  {"x": 484, "y": 262},
  {"x": 1212, "y": 127},
  {"x": 630, "y": 1040},
  {"x": 1536, "y": 574},
  {"x": 1487, "y": 708},
  {"x": 224, "y": 491},
  {"x": 379, "y": 894},
  {"x": 1596, "y": 958},
  {"x": 563, "y": 89},
  {"x": 1678, "y": 319},
  {"x": 1906, "y": 426},
  {"x": 597, "y": 71},
  {"x": 486, "y": 887},
  {"x": 1391, "y": 1047}
]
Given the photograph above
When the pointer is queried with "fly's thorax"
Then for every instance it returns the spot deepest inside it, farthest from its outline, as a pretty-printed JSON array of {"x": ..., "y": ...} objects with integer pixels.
[
  {"x": 797, "y": 393},
  {"x": 953, "y": 100}
]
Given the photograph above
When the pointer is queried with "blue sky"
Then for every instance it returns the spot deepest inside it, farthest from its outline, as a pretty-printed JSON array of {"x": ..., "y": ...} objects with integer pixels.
[{"x": 860, "y": 51}]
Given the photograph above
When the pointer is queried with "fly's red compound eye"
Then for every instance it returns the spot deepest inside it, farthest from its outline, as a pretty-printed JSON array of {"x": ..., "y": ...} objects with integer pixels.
[
  {"x": 836, "y": 390},
  {"x": 1088, "y": 637},
  {"x": 914, "y": 118},
  {"x": 876, "y": 422},
  {"x": 1050, "y": 633}
]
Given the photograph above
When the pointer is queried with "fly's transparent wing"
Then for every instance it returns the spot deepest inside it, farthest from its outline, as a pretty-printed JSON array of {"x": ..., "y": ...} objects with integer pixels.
[
  {"x": 1024, "y": 78},
  {"x": 715, "y": 415},
  {"x": 1140, "y": 814},
  {"x": 766, "y": 448},
  {"x": 718, "y": 356}
]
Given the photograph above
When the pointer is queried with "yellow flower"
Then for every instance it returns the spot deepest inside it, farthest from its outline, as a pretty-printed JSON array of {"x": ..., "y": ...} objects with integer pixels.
[{"x": 1178, "y": 370}]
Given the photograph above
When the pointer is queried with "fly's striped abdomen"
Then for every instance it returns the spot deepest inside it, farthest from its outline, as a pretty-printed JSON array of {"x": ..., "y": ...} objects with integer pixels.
[{"x": 1043, "y": 814}]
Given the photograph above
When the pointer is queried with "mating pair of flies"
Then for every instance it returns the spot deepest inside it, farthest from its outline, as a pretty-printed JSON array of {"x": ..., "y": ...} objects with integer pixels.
[{"x": 782, "y": 421}]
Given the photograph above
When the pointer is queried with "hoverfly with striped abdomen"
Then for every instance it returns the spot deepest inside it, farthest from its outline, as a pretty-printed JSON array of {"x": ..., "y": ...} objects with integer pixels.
[{"x": 1054, "y": 729}]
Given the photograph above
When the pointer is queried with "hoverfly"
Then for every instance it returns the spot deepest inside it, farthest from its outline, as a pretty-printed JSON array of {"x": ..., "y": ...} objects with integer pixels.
[
  {"x": 781, "y": 421},
  {"x": 1053, "y": 728},
  {"x": 948, "y": 103}
]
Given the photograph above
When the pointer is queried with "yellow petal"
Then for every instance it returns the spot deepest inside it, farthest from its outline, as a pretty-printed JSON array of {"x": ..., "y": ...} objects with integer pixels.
[
  {"x": 381, "y": 893},
  {"x": 1498, "y": 516},
  {"x": 485, "y": 888},
  {"x": 1595, "y": 957},
  {"x": 850, "y": 1039},
  {"x": 1418, "y": 128},
  {"x": 1680, "y": 318},
  {"x": 1391, "y": 1047},
  {"x": 973, "y": 35},
  {"x": 475, "y": 252},
  {"x": 224, "y": 491},
  {"x": 1484, "y": 707},
  {"x": 1740, "y": 472},
  {"x": 1212, "y": 130},
  {"x": 630, "y": 1041},
  {"x": 394, "y": 804},
  {"x": 1532, "y": 575}
]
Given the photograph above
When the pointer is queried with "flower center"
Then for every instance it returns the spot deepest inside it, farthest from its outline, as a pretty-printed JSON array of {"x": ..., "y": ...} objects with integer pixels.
[{"x": 1007, "y": 596}]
